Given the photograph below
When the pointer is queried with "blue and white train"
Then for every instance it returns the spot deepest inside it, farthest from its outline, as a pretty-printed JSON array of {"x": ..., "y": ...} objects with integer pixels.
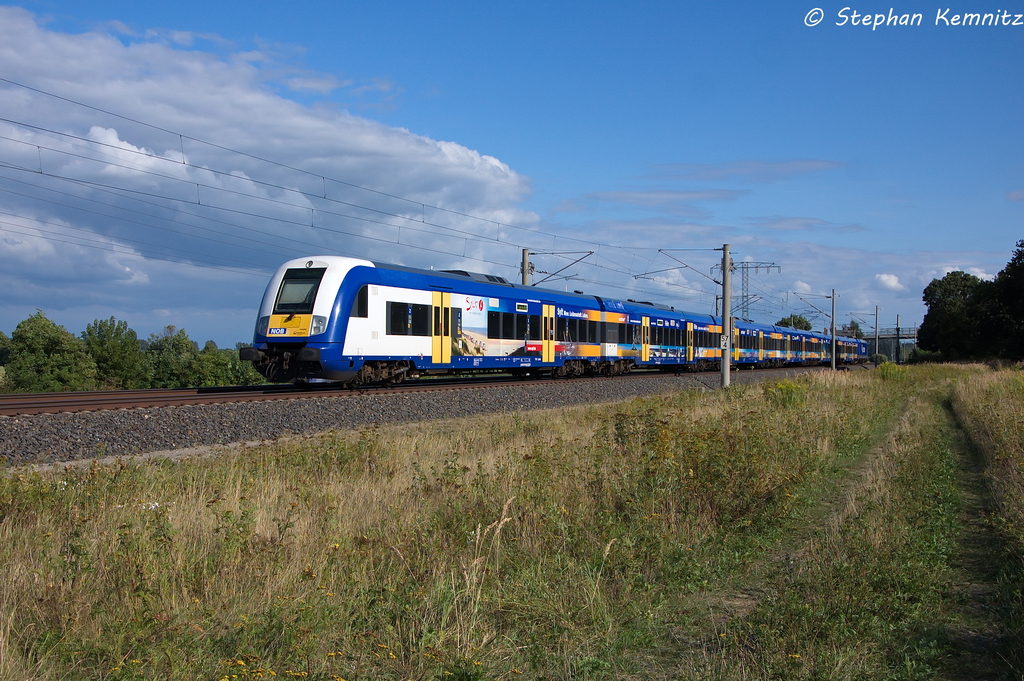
[{"x": 355, "y": 322}]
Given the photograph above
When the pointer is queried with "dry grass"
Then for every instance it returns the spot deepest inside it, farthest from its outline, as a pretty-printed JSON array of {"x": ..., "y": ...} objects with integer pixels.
[
  {"x": 541, "y": 545},
  {"x": 991, "y": 408}
]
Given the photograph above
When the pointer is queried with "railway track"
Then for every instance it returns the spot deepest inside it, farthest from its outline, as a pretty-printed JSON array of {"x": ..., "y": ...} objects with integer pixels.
[
  {"x": 69, "y": 426},
  {"x": 23, "y": 404}
]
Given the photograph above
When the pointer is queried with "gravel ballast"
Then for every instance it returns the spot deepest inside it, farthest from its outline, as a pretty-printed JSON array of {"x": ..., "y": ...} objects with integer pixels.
[{"x": 49, "y": 438}]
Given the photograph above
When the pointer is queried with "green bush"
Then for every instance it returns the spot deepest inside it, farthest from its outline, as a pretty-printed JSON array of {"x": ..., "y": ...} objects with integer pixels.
[
  {"x": 892, "y": 372},
  {"x": 115, "y": 348},
  {"x": 45, "y": 357},
  {"x": 785, "y": 393}
]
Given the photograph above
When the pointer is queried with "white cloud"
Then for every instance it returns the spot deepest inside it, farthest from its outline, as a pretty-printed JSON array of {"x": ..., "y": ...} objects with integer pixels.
[
  {"x": 133, "y": 194},
  {"x": 679, "y": 203},
  {"x": 980, "y": 273},
  {"x": 747, "y": 171},
  {"x": 889, "y": 281},
  {"x": 801, "y": 286},
  {"x": 654, "y": 198},
  {"x": 321, "y": 84},
  {"x": 795, "y": 224},
  {"x": 568, "y": 206},
  {"x": 1017, "y": 195},
  {"x": 941, "y": 271},
  {"x": 790, "y": 224}
]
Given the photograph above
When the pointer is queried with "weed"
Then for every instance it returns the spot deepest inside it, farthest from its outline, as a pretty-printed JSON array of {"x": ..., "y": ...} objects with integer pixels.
[
  {"x": 892, "y": 372},
  {"x": 561, "y": 544}
]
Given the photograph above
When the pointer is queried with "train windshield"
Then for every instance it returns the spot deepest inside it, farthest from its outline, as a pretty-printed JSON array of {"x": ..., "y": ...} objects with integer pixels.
[{"x": 298, "y": 290}]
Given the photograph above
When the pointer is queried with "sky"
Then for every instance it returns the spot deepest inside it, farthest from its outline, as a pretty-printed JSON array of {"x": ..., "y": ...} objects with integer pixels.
[{"x": 158, "y": 161}]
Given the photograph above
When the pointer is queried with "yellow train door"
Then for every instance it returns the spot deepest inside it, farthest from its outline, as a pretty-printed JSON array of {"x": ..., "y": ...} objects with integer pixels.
[
  {"x": 548, "y": 335},
  {"x": 645, "y": 340},
  {"x": 689, "y": 341},
  {"x": 441, "y": 332}
]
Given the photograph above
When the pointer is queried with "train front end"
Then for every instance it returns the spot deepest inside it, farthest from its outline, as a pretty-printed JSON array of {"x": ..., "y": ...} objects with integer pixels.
[{"x": 300, "y": 332}]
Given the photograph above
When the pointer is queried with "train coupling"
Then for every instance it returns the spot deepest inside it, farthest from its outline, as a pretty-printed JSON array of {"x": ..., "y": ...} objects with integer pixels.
[{"x": 257, "y": 355}]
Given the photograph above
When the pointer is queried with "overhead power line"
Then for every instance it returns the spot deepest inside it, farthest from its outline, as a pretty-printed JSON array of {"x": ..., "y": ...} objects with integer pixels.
[{"x": 609, "y": 258}]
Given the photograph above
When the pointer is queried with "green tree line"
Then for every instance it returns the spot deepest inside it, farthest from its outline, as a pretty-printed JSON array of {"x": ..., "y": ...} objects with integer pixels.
[
  {"x": 969, "y": 317},
  {"x": 41, "y": 356}
]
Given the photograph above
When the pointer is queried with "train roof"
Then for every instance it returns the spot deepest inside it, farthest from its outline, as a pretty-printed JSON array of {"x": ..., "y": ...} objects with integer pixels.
[{"x": 628, "y": 305}]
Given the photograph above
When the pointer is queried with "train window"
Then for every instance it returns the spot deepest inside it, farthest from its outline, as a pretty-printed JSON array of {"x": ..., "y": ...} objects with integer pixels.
[
  {"x": 573, "y": 334},
  {"x": 361, "y": 305},
  {"x": 563, "y": 329},
  {"x": 405, "y": 319},
  {"x": 298, "y": 290},
  {"x": 398, "y": 319},
  {"x": 508, "y": 325},
  {"x": 494, "y": 325},
  {"x": 522, "y": 326},
  {"x": 420, "y": 320},
  {"x": 535, "y": 327}
]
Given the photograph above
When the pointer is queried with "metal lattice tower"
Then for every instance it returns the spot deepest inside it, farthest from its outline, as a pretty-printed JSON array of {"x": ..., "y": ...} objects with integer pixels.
[{"x": 745, "y": 267}]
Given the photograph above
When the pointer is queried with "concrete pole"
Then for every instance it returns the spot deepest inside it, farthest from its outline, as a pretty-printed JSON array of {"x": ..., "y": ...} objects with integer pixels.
[
  {"x": 526, "y": 267},
  {"x": 833, "y": 326},
  {"x": 876, "y": 335},
  {"x": 726, "y": 314},
  {"x": 897, "y": 353}
]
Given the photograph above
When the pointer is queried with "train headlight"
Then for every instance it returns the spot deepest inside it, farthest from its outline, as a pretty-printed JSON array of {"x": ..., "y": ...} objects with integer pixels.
[
  {"x": 262, "y": 325},
  {"x": 319, "y": 325}
]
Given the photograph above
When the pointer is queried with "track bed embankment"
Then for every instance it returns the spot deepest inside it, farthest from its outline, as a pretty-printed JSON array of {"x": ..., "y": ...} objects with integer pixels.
[{"x": 50, "y": 438}]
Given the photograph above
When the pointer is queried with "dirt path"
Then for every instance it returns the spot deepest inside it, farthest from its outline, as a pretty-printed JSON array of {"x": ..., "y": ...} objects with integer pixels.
[
  {"x": 982, "y": 643},
  {"x": 707, "y": 613},
  {"x": 974, "y": 639}
]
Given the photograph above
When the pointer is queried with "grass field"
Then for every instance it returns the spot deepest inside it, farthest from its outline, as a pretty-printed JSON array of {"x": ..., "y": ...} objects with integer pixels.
[{"x": 863, "y": 524}]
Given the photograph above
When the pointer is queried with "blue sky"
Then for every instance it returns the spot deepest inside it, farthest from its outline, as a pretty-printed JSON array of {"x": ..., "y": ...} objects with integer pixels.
[{"x": 868, "y": 160}]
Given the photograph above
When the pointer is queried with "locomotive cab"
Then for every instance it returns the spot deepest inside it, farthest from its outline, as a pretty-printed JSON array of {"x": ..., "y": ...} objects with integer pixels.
[{"x": 294, "y": 338}]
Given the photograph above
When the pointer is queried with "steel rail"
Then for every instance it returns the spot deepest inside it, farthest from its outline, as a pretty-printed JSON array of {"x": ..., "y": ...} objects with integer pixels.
[{"x": 25, "y": 404}]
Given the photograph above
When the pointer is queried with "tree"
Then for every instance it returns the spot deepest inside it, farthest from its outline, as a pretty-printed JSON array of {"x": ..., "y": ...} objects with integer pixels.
[
  {"x": 951, "y": 323},
  {"x": 5, "y": 353},
  {"x": 5, "y": 348},
  {"x": 795, "y": 321},
  {"x": 1004, "y": 315},
  {"x": 120, "y": 362},
  {"x": 45, "y": 357},
  {"x": 223, "y": 367},
  {"x": 851, "y": 330},
  {"x": 174, "y": 359}
]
